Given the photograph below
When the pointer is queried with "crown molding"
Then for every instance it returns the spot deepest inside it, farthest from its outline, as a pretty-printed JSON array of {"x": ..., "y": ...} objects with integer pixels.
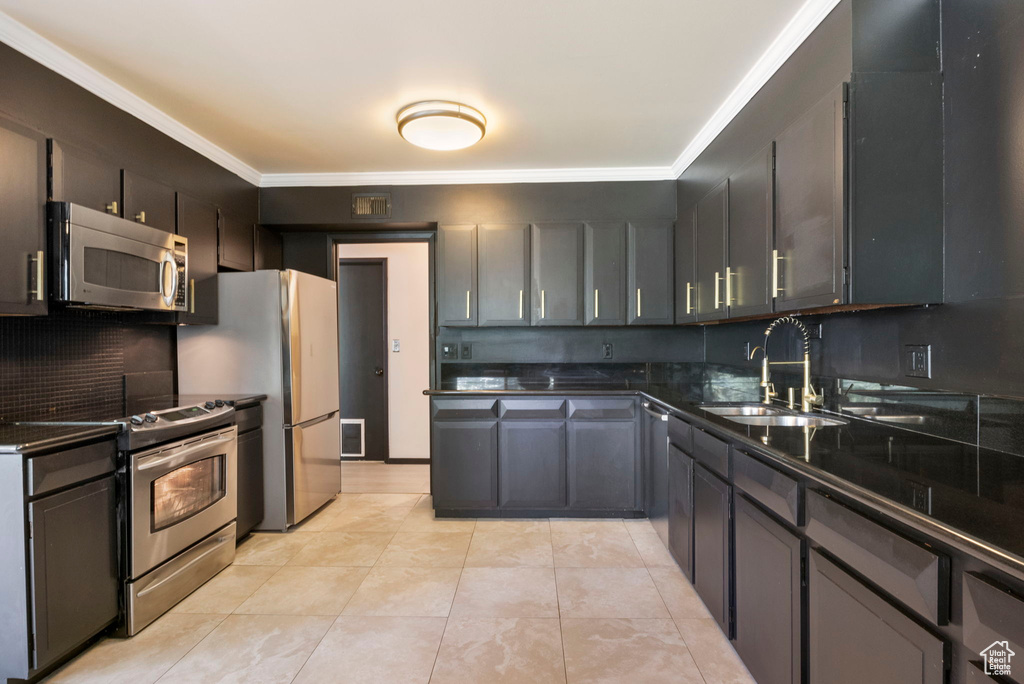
[
  {"x": 586, "y": 175},
  {"x": 38, "y": 48},
  {"x": 785, "y": 44}
]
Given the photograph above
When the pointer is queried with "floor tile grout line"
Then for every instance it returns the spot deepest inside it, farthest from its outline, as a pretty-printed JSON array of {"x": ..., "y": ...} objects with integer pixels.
[{"x": 193, "y": 647}]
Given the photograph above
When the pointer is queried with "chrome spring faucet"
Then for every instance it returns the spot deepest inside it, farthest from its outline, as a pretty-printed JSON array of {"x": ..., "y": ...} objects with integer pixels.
[{"x": 808, "y": 396}]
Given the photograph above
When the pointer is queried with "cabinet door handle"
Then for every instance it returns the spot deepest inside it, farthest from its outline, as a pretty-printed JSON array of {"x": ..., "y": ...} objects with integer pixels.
[
  {"x": 192, "y": 295},
  {"x": 542, "y": 303},
  {"x": 775, "y": 273},
  {"x": 728, "y": 285},
  {"x": 37, "y": 261},
  {"x": 520, "y": 304},
  {"x": 639, "y": 303},
  {"x": 112, "y": 208},
  {"x": 597, "y": 303},
  {"x": 467, "y": 305},
  {"x": 140, "y": 217},
  {"x": 689, "y": 291},
  {"x": 718, "y": 290}
]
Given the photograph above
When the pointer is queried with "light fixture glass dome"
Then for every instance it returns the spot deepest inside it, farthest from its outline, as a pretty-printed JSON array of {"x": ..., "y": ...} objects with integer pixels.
[{"x": 441, "y": 125}]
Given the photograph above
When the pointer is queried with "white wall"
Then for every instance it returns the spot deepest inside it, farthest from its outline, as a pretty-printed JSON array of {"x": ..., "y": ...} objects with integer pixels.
[{"x": 409, "y": 322}]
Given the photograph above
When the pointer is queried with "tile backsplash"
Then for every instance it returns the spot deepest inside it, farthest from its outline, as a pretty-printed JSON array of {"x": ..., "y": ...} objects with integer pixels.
[{"x": 68, "y": 365}]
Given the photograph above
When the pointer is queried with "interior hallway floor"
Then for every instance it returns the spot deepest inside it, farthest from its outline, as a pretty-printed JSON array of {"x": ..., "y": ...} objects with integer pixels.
[{"x": 373, "y": 588}]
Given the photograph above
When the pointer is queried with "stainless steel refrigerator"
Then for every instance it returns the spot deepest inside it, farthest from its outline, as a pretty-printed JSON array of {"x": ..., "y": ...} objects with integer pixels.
[{"x": 277, "y": 335}]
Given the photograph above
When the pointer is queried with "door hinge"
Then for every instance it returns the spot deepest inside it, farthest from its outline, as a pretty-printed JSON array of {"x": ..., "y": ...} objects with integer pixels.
[{"x": 846, "y": 108}]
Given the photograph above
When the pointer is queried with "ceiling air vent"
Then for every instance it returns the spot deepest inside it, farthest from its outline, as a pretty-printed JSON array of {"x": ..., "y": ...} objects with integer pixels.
[{"x": 371, "y": 205}]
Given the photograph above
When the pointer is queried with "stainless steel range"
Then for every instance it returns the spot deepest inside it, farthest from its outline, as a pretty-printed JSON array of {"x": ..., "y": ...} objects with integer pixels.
[{"x": 177, "y": 477}]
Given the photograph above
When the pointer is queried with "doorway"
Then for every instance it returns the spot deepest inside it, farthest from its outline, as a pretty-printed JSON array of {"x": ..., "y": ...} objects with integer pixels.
[{"x": 362, "y": 334}]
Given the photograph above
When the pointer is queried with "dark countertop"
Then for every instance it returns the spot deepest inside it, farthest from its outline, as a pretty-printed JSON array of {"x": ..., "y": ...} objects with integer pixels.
[
  {"x": 977, "y": 495},
  {"x": 18, "y": 438},
  {"x": 30, "y": 439}
]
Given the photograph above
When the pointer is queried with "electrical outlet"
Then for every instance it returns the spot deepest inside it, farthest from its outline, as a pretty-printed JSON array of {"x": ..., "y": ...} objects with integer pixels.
[
  {"x": 746, "y": 350},
  {"x": 449, "y": 351},
  {"x": 920, "y": 497},
  {"x": 467, "y": 350},
  {"x": 606, "y": 350},
  {"x": 396, "y": 346},
  {"x": 919, "y": 360}
]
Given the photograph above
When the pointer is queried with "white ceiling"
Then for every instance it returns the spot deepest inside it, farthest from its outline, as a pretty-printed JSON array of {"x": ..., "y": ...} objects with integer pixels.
[{"x": 583, "y": 89}]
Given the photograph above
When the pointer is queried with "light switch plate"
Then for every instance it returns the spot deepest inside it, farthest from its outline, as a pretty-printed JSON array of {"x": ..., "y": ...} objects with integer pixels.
[
  {"x": 449, "y": 351},
  {"x": 396, "y": 346}
]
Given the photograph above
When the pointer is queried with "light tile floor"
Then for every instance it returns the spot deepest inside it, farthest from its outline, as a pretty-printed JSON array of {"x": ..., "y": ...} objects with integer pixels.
[{"x": 372, "y": 588}]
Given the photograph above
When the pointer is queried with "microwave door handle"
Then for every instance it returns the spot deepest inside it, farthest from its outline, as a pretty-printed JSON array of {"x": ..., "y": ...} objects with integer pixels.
[{"x": 182, "y": 455}]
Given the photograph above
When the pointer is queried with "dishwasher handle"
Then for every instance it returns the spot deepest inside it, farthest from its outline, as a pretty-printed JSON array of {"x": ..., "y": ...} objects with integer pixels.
[{"x": 654, "y": 414}]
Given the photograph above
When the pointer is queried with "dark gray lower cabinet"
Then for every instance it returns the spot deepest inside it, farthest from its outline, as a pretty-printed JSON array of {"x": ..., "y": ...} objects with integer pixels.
[
  {"x": 250, "y": 482},
  {"x": 464, "y": 464},
  {"x": 73, "y": 555},
  {"x": 856, "y": 636},
  {"x": 712, "y": 576},
  {"x": 656, "y": 475},
  {"x": 604, "y": 465},
  {"x": 680, "y": 508},
  {"x": 767, "y": 596},
  {"x": 531, "y": 464}
]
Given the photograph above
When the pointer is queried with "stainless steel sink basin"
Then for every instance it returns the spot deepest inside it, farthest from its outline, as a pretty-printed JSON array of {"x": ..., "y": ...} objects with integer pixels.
[
  {"x": 761, "y": 414},
  {"x": 730, "y": 410},
  {"x": 789, "y": 420},
  {"x": 873, "y": 413}
]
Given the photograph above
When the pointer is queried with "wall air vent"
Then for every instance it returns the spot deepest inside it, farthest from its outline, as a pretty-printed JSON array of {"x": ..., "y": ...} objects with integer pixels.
[{"x": 371, "y": 205}]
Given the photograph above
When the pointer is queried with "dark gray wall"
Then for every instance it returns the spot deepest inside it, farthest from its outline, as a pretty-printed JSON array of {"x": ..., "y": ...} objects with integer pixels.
[
  {"x": 39, "y": 353},
  {"x": 486, "y": 203}
]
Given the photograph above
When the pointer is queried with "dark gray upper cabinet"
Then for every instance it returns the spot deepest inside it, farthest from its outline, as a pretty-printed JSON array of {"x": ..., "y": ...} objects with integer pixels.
[
  {"x": 712, "y": 573},
  {"x": 236, "y": 243},
  {"x": 504, "y": 265},
  {"x": 713, "y": 290},
  {"x": 848, "y": 620},
  {"x": 686, "y": 267},
  {"x": 456, "y": 275},
  {"x": 768, "y": 587},
  {"x": 198, "y": 222},
  {"x": 22, "y": 220},
  {"x": 147, "y": 201},
  {"x": 650, "y": 288},
  {"x": 605, "y": 469},
  {"x": 464, "y": 459},
  {"x": 83, "y": 178},
  {"x": 751, "y": 217},
  {"x": 556, "y": 267},
  {"x": 810, "y": 158},
  {"x": 268, "y": 252},
  {"x": 73, "y": 550},
  {"x": 531, "y": 464},
  {"x": 604, "y": 273}
]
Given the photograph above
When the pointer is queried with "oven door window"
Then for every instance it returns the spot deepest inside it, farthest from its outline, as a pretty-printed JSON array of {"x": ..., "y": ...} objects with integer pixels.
[
  {"x": 120, "y": 271},
  {"x": 187, "y": 490}
]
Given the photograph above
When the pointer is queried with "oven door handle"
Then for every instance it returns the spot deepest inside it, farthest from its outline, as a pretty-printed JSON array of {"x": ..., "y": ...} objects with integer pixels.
[
  {"x": 182, "y": 455},
  {"x": 220, "y": 541}
]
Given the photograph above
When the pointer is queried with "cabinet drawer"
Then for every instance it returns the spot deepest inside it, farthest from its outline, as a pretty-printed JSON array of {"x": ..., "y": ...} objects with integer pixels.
[
  {"x": 778, "y": 493},
  {"x": 602, "y": 409},
  {"x": 991, "y": 612},
  {"x": 54, "y": 471},
  {"x": 249, "y": 418},
  {"x": 532, "y": 408},
  {"x": 912, "y": 573},
  {"x": 712, "y": 452},
  {"x": 465, "y": 408},
  {"x": 679, "y": 433}
]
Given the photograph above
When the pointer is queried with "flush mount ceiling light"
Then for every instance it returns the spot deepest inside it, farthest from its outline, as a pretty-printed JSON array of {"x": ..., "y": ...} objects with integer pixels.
[{"x": 441, "y": 125}]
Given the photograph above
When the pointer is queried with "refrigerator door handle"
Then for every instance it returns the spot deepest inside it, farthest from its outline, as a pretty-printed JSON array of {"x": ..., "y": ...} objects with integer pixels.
[{"x": 315, "y": 421}]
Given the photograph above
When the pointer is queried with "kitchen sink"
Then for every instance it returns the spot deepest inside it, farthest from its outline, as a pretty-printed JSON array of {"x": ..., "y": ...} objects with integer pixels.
[
  {"x": 771, "y": 416},
  {"x": 872, "y": 413},
  {"x": 730, "y": 410}
]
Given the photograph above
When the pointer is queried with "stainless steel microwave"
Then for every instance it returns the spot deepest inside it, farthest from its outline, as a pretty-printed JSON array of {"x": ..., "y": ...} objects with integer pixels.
[{"x": 103, "y": 261}]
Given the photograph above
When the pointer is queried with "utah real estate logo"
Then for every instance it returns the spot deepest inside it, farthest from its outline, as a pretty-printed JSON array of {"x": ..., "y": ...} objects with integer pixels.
[{"x": 997, "y": 658}]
